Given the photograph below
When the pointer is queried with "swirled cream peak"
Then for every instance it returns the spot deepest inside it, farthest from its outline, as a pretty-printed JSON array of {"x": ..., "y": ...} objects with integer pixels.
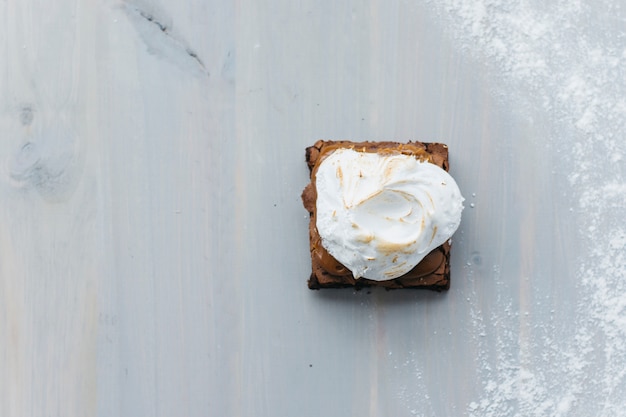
[{"x": 381, "y": 214}]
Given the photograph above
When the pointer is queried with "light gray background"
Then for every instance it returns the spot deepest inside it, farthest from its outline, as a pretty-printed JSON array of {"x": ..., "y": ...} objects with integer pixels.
[{"x": 153, "y": 245}]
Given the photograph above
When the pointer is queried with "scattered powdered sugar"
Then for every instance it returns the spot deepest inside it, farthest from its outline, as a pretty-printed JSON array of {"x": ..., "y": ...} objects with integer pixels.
[
  {"x": 412, "y": 397},
  {"x": 565, "y": 59}
]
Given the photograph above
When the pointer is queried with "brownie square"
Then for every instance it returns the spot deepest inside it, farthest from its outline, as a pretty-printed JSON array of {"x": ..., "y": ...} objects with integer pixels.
[{"x": 432, "y": 273}]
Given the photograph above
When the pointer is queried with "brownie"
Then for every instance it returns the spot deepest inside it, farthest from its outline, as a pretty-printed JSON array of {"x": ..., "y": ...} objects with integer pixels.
[{"x": 432, "y": 273}]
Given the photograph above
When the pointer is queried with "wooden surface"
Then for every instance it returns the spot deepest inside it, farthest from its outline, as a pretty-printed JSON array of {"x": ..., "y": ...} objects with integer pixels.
[{"x": 153, "y": 245}]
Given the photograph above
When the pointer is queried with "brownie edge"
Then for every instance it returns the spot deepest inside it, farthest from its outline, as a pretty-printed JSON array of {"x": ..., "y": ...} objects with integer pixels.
[{"x": 432, "y": 273}]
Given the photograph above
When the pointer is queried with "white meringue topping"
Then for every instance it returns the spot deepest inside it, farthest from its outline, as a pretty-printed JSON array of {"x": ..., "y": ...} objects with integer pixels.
[{"x": 380, "y": 215}]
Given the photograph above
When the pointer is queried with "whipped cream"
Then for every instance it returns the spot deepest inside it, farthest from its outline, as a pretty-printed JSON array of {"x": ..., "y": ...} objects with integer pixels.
[{"x": 380, "y": 215}]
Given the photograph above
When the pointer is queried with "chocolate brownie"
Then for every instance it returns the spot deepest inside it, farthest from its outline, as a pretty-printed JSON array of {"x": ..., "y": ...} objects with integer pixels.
[{"x": 432, "y": 273}]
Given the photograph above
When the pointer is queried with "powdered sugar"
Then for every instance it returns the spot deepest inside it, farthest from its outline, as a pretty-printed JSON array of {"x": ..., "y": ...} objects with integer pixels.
[{"x": 565, "y": 59}]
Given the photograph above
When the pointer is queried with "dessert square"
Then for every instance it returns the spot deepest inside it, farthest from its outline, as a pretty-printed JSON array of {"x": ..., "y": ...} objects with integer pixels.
[{"x": 431, "y": 273}]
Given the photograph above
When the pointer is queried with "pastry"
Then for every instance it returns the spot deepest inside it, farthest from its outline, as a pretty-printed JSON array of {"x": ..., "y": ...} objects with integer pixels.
[{"x": 381, "y": 214}]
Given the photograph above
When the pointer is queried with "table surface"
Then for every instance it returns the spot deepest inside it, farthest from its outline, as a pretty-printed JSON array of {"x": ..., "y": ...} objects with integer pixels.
[{"x": 153, "y": 245}]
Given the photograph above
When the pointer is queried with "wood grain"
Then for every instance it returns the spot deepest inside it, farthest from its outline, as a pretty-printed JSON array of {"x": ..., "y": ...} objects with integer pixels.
[{"x": 153, "y": 246}]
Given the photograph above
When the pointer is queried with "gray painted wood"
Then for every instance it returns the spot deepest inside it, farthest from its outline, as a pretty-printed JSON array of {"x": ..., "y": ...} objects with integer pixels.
[{"x": 153, "y": 246}]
